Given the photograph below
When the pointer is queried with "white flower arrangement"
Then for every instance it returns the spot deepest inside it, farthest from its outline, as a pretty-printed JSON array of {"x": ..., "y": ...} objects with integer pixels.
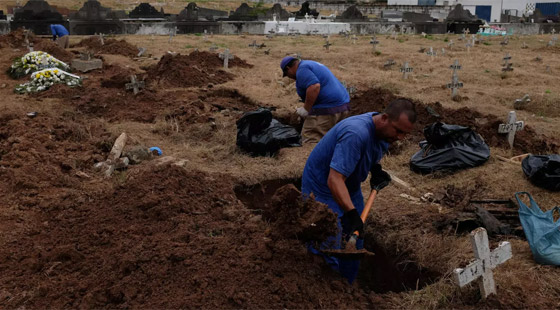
[
  {"x": 35, "y": 61},
  {"x": 42, "y": 80}
]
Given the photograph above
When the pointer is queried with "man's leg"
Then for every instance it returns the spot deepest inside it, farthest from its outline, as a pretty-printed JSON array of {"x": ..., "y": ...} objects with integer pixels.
[
  {"x": 317, "y": 126},
  {"x": 62, "y": 42}
]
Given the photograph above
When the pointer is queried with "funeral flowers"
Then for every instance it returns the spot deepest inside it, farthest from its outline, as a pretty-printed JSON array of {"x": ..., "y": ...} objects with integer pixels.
[
  {"x": 35, "y": 61},
  {"x": 42, "y": 80}
]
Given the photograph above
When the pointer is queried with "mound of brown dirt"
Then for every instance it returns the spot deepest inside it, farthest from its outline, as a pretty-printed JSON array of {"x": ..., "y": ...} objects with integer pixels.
[
  {"x": 110, "y": 46},
  {"x": 526, "y": 140},
  {"x": 41, "y": 156},
  {"x": 307, "y": 220},
  {"x": 194, "y": 69},
  {"x": 52, "y": 48},
  {"x": 167, "y": 237},
  {"x": 16, "y": 39}
]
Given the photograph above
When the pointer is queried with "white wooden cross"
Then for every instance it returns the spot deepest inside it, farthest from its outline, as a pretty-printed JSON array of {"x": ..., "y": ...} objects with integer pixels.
[
  {"x": 205, "y": 38},
  {"x": 455, "y": 84},
  {"x": 226, "y": 56},
  {"x": 134, "y": 84},
  {"x": 485, "y": 262},
  {"x": 505, "y": 41},
  {"x": 141, "y": 51},
  {"x": 512, "y": 126},
  {"x": 213, "y": 47},
  {"x": 443, "y": 51},
  {"x": 553, "y": 31},
  {"x": 172, "y": 33},
  {"x": 30, "y": 46},
  {"x": 394, "y": 35},
  {"x": 390, "y": 62},
  {"x": 524, "y": 46},
  {"x": 354, "y": 39},
  {"x": 101, "y": 39},
  {"x": 374, "y": 42},
  {"x": 406, "y": 70},
  {"x": 450, "y": 44},
  {"x": 431, "y": 53}
]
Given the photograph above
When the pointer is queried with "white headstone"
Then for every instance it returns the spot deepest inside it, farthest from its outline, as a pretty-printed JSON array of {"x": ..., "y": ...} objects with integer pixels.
[
  {"x": 511, "y": 127},
  {"x": 226, "y": 56},
  {"x": 486, "y": 261},
  {"x": 406, "y": 70}
]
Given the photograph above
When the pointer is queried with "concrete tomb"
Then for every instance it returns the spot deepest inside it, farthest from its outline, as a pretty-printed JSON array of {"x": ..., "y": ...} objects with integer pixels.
[
  {"x": 460, "y": 18},
  {"x": 145, "y": 10},
  {"x": 93, "y": 18},
  {"x": 37, "y": 15}
]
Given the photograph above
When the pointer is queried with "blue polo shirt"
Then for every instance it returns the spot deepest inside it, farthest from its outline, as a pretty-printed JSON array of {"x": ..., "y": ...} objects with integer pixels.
[
  {"x": 351, "y": 148},
  {"x": 332, "y": 93},
  {"x": 59, "y": 30}
]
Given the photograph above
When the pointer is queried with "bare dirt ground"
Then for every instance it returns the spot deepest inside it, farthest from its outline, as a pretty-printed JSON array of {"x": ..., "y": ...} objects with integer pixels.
[{"x": 199, "y": 227}]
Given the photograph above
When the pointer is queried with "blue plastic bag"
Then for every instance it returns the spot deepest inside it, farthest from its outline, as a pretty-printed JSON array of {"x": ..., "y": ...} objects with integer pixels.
[{"x": 542, "y": 232}]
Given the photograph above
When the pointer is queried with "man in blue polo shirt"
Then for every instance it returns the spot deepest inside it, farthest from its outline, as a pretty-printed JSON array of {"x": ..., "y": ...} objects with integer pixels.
[
  {"x": 60, "y": 35},
  {"x": 342, "y": 160},
  {"x": 326, "y": 100}
]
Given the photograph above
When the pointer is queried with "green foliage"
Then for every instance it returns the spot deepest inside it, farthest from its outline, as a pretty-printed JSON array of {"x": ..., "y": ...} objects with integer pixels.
[
  {"x": 189, "y": 46},
  {"x": 547, "y": 91},
  {"x": 486, "y": 43},
  {"x": 446, "y": 39},
  {"x": 377, "y": 53}
]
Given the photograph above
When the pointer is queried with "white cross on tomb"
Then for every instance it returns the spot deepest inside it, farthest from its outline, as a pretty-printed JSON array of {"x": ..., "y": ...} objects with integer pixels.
[
  {"x": 226, "y": 56},
  {"x": 484, "y": 263},
  {"x": 512, "y": 126}
]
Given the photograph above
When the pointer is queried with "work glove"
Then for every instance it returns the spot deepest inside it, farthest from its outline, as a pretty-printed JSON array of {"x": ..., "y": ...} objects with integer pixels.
[
  {"x": 54, "y": 37},
  {"x": 301, "y": 111},
  {"x": 379, "y": 178},
  {"x": 351, "y": 222}
]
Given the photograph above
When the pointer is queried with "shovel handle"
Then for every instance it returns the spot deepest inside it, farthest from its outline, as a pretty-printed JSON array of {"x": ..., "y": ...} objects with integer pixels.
[{"x": 367, "y": 208}]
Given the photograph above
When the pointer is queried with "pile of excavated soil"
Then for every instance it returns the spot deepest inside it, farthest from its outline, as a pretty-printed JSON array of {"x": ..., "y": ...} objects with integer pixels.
[
  {"x": 526, "y": 140},
  {"x": 16, "y": 39},
  {"x": 166, "y": 237},
  {"x": 194, "y": 69},
  {"x": 110, "y": 46},
  {"x": 56, "y": 51}
]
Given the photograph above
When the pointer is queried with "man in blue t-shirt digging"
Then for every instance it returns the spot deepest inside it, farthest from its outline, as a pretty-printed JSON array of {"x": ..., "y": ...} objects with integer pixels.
[
  {"x": 341, "y": 161},
  {"x": 326, "y": 100},
  {"x": 60, "y": 35}
]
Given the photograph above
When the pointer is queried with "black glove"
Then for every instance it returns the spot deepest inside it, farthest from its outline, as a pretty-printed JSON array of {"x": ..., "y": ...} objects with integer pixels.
[
  {"x": 54, "y": 37},
  {"x": 379, "y": 178},
  {"x": 351, "y": 222}
]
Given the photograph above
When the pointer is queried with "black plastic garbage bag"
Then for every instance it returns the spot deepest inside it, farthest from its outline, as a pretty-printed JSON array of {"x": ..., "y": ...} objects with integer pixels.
[
  {"x": 449, "y": 148},
  {"x": 260, "y": 135},
  {"x": 543, "y": 170}
]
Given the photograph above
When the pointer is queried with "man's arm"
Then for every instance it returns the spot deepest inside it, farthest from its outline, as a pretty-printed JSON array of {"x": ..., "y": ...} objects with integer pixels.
[
  {"x": 339, "y": 190},
  {"x": 311, "y": 95}
]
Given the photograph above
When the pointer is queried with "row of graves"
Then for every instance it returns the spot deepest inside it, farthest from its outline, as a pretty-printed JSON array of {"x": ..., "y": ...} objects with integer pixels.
[{"x": 93, "y": 18}]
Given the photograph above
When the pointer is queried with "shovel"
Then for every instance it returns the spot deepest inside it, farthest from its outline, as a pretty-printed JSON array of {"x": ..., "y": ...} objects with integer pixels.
[{"x": 350, "y": 251}]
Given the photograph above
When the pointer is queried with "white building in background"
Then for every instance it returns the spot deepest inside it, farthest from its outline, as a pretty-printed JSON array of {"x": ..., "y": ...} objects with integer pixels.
[{"x": 486, "y": 9}]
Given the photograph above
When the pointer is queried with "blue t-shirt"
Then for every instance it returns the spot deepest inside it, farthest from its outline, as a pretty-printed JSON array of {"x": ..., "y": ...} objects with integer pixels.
[
  {"x": 351, "y": 148},
  {"x": 332, "y": 93},
  {"x": 59, "y": 30}
]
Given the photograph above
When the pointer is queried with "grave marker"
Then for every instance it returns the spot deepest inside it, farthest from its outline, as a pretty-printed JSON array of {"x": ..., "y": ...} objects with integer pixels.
[
  {"x": 431, "y": 53},
  {"x": 455, "y": 84},
  {"x": 141, "y": 51},
  {"x": 548, "y": 69},
  {"x": 101, "y": 39},
  {"x": 354, "y": 39},
  {"x": 450, "y": 43},
  {"x": 443, "y": 51},
  {"x": 484, "y": 263},
  {"x": 524, "y": 45},
  {"x": 254, "y": 45},
  {"x": 226, "y": 56},
  {"x": 511, "y": 127},
  {"x": 507, "y": 64},
  {"x": 522, "y": 103},
  {"x": 468, "y": 45},
  {"x": 553, "y": 31},
  {"x": 205, "y": 38},
  {"x": 134, "y": 84},
  {"x": 374, "y": 42},
  {"x": 30, "y": 46},
  {"x": 389, "y": 63},
  {"x": 552, "y": 41},
  {"x": 505, "y": 41},
  {"x": 394, "y": 35},
  {"x": 406, "y": 70},
  {"x": 172, "y": 33},
  {"x": 327, "y": 45},
  {"x": 213, "y": 47}
]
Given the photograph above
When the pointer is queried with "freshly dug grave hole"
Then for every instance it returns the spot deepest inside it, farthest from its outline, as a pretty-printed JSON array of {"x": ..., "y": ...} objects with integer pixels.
[
  {"x": 384, "y": 272},
  {"x": 526, "y": 140}
]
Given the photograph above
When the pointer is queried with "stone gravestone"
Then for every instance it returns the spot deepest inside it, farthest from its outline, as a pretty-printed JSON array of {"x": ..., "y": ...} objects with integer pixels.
[
  {"x": 374, "y": 42},
  {"x": 460, "y": 19},
  {"x": 455, "y": 84},
  {"x": 226, "y": 56},
  {"x": 37, "y": 15},
  {"x": 522, "y": 103},
  {"x": 86, "y": 63},
  {"x": 134, "y": 84},
  {"x": 507, "y": 64},
  {"x": 406, "y": 70},
  {"x": 511, "y": 127},
  {"x": 485, "y": 262}
]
